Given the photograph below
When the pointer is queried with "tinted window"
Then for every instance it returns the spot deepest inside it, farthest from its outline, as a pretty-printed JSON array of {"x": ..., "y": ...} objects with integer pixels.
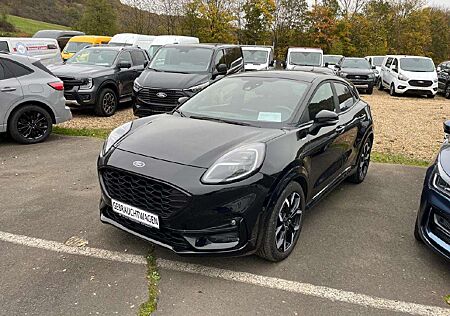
[
  {"x": 389, "y": 62},
  {"x": 220, "y": 58},
  {"x": 5, "y": 73},
  {"x": 39, "y": 65},
  {"x": 125, "y": 57},
  {"x": 138, "y": 58},
  {"x": 323, "y": 99},
  {"x": 395, "y": 64},
  {"x": 233, "y": 57},
  {"x": 4, "y": 46},
  {"x": 359, "y": 63},
  {"x": 16, "y": 69},
  {"x": 344, "y": 95}
]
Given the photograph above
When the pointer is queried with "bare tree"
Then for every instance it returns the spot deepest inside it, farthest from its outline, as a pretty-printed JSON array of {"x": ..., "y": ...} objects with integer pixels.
[{"x": 350, "y": 7}]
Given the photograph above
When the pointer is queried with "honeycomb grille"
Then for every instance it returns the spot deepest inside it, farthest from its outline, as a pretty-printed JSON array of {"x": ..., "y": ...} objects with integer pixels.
[{"x": 144, "y": 193}]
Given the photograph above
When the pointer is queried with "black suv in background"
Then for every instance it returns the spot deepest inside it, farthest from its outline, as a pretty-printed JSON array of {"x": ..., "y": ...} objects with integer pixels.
[
  {"x": 358, "y": 71},
  {"x": 101, "y": 76},
  {"x": 443, "y": 72},
  {"x": 178, "y": 71}
]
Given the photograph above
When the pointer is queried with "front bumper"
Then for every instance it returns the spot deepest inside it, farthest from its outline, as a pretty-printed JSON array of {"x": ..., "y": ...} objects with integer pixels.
[
  {"x": 362, "y": 84},
  {"x": 405, "y": 88},
  {"x": 76, "y": 97},
  {"x": 433, "y": 219},
  {"x": 218, "y": 220}
]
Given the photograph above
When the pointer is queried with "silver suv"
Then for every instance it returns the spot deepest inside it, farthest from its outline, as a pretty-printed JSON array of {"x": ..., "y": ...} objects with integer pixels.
[{"x": 31, "y": 99}]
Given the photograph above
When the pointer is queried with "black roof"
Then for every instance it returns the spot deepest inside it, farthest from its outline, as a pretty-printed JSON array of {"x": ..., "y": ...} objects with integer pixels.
[{"x": 299, "y": 75}]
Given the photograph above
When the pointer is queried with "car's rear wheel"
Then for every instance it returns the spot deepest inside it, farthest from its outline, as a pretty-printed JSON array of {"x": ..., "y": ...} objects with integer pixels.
[
  {"x": 380, "y": 85},
  {"x": 369, "y": 90},
  {"x": 107, "y": 103},
  {"x": 447, "y": 92},
  {"x": 363, "y": 162},
  {"x": 30, "y": 124},
  {"x": 284, "y": 224}
]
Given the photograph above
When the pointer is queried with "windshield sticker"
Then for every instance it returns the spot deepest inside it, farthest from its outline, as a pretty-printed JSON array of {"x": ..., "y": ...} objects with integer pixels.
[{"x": 269, "y": 116}]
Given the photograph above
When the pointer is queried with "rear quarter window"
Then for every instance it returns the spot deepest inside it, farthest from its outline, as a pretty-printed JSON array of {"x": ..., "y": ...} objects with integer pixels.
[
  {"x": 4, "y": 46},
  {"x": 18, "y": 70},
  {"x": 39, "y": 65}
]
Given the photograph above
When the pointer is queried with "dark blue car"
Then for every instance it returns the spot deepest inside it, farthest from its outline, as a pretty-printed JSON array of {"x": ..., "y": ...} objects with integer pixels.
[{"x": 433, "y": 220}]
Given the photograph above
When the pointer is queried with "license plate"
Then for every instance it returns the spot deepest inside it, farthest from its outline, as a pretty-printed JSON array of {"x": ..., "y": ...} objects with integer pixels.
[{"x": 135, "y": 214}]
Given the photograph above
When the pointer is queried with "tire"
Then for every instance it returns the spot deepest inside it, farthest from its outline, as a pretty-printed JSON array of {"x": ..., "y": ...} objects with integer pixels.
[
  {"x": 392, "y": 90},
  {"x": 363, "y": 162},
  {"x": 430, "y": 96},
  {"x": 447, "y": 92},
  {"x": 380, "y": 84},
  {"x": 107, "y": 103},
  {"x": 416, "y": 231},
  {"x": 30, "y": 124},
  {"x": 291, "y": 201},
  {"x": 369, "y": 90}
]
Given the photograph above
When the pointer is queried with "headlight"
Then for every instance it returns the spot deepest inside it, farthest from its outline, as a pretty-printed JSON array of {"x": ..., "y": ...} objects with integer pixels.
[
  {"x": 236, "y": 164},
  {"x": 197, "y": 88},
  {"x": 136, "y": 86},
  {"x": 402, "y": 77},
  {"x": 89, "y": 83},
  {"x": 344, "y": 74},
  {"x": 435, "y": 80},
  {"x": 371, "y": 76},
  {"x": 441, "y": 181},
  {"x": 115, "y": 136}
]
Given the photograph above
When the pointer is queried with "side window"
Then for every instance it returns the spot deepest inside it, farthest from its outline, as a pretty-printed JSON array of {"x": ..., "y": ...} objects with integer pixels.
[
  {"x": 16, "y": 69},
  {"x": 323, "y": 99},
  {"x": 389, "y": 62},
  {"x": 219, "y": 59},
  {"x": 4, "y": 72},
  {"x": 233, "y": 57},
  {"x": 345, "y": 96},
  {"x": 4, "y": 46},
  {"x": 138, "y": 58},
  {"x": 125, "y": 57}
]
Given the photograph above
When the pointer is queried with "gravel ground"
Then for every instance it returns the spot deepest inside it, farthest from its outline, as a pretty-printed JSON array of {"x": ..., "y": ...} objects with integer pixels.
[{"x": 409, "y": 126}]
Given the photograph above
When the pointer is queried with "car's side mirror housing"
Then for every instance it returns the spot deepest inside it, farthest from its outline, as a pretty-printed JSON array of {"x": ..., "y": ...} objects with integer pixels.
[
  {"x": 447, "y": 128},
  {"x": 182, "y": 100},
  {"x": 123, "y": 64},
  {"x": 326, "y": 118},
  {"x": 222, "y": 69},
  {"x": 337, "y": 67},
  {"x": 395, "y": 70},
  {"x": 374, "y": 67},
  {"x": 327, "y": 64}
]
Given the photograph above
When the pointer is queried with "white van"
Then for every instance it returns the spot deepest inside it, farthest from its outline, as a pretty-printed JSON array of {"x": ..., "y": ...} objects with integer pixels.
[
  {"x": 162, "y": 40},
  {"x": 130, "y": 39},
  {"x": 375, "y": 61},
  {"x": 408, "y": 74},
  {"x": 44, "y": 49},
  {"x": 257, "y": 57},
  {"x": 302, "y": 57}
]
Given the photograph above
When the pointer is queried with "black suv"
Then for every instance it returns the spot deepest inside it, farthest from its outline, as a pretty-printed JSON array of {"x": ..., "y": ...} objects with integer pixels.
[
  {"x": 178, "y": 71},
  {"x": 443, "y": 72},
  {"x": 358, "y": 71},
  {"x": 101, "y": 76}
]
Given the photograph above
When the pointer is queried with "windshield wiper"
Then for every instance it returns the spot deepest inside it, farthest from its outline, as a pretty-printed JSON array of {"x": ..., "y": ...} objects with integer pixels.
[
  {"x": 207, "y": 118},
  {"x": 179, "y": 112}
]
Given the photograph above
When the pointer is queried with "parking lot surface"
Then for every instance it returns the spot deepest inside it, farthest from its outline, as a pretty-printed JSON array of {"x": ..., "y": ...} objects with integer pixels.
[{"x": 356, "y": 253}]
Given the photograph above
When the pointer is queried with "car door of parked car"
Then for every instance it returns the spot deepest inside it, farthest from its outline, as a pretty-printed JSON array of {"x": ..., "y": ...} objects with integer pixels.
[
  {"x": 323, "y": 151},
  {"x": 126, "y": 76},
  {"x": 386, "y": 72},
  {"x": 443, "y": 76},
  {"x": 139, "y": 62},
  {"x": 10, "y": 91}
]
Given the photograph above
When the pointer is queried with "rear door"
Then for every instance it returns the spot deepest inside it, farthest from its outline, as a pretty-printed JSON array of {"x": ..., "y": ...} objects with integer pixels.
[
  {"x": 139, "y": 62},
  {"x": 386, "y": 72},
  {"x": 10, "y": 91},
  {"x": 126, "y": 76}
]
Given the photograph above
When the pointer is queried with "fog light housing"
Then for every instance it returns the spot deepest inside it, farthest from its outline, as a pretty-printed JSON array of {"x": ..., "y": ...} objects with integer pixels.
[
  {"x": 222, "y": 241},
  {"x": 401, "y": 87}
]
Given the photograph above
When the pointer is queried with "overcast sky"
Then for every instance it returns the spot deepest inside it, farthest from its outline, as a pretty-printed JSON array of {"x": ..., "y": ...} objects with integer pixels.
[{"x": 440, "y": 3}]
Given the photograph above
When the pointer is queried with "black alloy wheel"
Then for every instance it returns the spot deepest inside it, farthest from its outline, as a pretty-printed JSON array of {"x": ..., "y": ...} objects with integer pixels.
[
  {"x": 284, "y": 224},
  {"x": 363, "y": 162},
  {"x": 30, "y": 124},
  {"x": 107, "y": 103}
]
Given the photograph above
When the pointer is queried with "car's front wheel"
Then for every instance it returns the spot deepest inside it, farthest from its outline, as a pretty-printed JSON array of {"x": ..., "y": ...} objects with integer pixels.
[
  {"x": 30, "y": 124},
  {"x": 392, "y": 90},
  {"x": 284, "y": 224},
  {"x": 380, "y": 85},
  {"x": 447, "y": 92},
  {"x": 107, "y": 103},
  {"x": 362, "y": 163},
  {"x": 369, "y": 90}
]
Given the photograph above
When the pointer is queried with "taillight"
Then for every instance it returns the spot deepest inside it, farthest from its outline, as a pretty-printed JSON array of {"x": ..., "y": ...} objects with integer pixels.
[{"x": 57, "y": 85}]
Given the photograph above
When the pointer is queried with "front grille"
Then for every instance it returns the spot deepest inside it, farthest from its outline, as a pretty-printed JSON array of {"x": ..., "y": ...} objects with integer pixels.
[
  {"x": 357, "y": 77},
  {"x": 144, "y": 193},
  {"x": 160, "y": 96},
  {"x": 420, "y": 83},
  {"x": 162, "y": 235},
  {"x": 70, "y": 82}
]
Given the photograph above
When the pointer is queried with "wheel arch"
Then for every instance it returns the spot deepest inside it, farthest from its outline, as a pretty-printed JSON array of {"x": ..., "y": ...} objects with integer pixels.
[
  {"x": 111, "y": 85},
  {"x": 30, "y": 102}
]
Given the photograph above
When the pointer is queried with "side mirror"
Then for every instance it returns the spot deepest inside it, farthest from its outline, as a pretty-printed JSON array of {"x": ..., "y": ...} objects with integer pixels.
[
  {"x": 325, "y": 118},
  {"x": 145, "y": 64},
  {"x": 123, "y": 64},
  {"x": 327, "y": 64},
  {"x": 447, "y": 128},
  {"x": 395, "y": 70},
  {"x": 337, "y": 67},
  {"x": 374, "y": 67},
  {"x": 222, "y": 69},
  {"x": 182, "y": 100}
]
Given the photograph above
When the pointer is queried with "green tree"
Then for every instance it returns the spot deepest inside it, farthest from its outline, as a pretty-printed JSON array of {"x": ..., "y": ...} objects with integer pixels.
[
  {"x": 217, "y": 18},
  {"x": 440, "y": 36},
  {"x": 258, "y": 19},
  {"x": 99, "y": 18}
]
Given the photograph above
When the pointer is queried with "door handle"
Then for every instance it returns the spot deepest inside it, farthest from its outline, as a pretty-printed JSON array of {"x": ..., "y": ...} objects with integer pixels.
[
  {"x": 8, "y": 89},
  {"x": 340, "y": 129}
]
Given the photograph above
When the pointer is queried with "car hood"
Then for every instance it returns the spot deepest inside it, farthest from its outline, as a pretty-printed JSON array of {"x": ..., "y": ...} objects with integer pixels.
[
  {"x": 444, "y": 158},
  {"x": 170, "y": 80},
  {"x": 419, "y": 75},
  {"x": 192, "y": 142},
  {"x": 78, "y": 71},
  {"x": 250, "y": 66},
  {"x": 314, "y": 69},
  {"x": 357, "y": 71}
]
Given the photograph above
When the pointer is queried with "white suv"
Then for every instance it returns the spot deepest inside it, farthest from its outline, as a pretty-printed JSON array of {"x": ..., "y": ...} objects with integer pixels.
[
  {"x": 299, "y": 58},
  {"x": 408, "y": 74}
]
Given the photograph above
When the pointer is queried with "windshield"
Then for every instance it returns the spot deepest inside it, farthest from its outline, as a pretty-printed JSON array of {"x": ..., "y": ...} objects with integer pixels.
[
  {"x": 248, "y": 99},
  {"x": 416, "y": 64},
  {"x": 377, "y": 61},
  {"x": 359, "y": 63},
  {"x": 182, "y": 59},
  {"x": 256, "y": 57},
  {"x": 153, "y": 49},
  {"x": 74, "y": 47},
  {"x": 306, "y": 58},
  {"x": 331, "y": 60},
  {"x": 92, "y": 56}
]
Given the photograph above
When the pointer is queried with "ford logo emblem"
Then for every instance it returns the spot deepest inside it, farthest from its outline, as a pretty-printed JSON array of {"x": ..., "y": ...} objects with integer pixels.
[
  {"x": 138, "y": 164},
  {"x": 161, "y": 95}
]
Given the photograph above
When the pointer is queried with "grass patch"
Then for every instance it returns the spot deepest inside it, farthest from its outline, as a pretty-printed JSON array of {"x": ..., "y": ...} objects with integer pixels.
[
  {"x": 153, "y": 277},
  {"x": 30, "y": 26},
  {"x": 398, "y": 159},
  {"x": 89, "y": 132}
]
